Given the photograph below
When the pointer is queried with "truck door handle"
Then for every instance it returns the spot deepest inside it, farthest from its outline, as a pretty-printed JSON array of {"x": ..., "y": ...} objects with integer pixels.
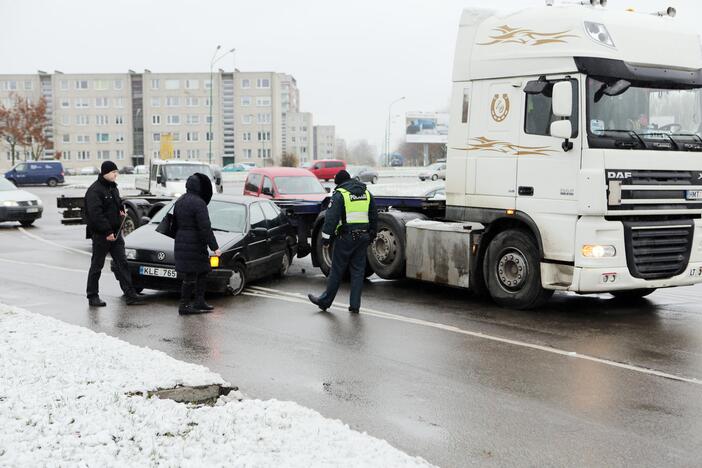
[{"x": 526, "y": 191}]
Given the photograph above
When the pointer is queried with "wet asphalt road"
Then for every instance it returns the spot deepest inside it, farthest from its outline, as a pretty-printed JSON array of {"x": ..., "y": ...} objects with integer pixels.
[{"x": 432, "y": 370}]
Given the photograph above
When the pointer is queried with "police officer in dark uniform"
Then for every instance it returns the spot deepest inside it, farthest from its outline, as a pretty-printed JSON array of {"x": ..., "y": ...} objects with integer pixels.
[
  {"x": 105, "y": 213},
  {"x": 352, "y": 220}
]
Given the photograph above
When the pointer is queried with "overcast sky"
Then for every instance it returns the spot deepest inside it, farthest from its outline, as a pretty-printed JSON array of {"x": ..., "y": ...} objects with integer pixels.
[{"x": 350, "y": 59}]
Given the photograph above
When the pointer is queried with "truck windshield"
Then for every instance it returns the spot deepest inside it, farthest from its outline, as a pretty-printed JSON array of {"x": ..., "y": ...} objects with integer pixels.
[
  {"x": 183, "y": 171},
  {"x": 627, "y": 115},
  {"x": 298, "y": 185}
]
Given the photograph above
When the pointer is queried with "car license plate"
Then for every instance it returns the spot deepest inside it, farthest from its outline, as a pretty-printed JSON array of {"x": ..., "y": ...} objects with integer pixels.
[
  {"x": 156, "y": 271},
  {"x": 694, "y": 195},
  {"x": 32, "y": 210}
]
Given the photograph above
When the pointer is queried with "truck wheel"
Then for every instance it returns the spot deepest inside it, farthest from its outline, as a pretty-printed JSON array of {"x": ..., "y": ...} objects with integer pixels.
[
  {"x": 513, "y": 272},
  {"x": 386, "y": 254},
  {"x": 632, "y": 294},
  {"x": 131, "y": 223},
  {"x": 52, "y": 182},
  {"x": 324, "y": 254}
]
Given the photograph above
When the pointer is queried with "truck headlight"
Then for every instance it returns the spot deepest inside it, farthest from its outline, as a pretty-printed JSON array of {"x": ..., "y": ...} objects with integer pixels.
[
  {"x": 131, "y": 254},
  {"x": 598, "y": 251},
  {"x": 10, "y": 203}
]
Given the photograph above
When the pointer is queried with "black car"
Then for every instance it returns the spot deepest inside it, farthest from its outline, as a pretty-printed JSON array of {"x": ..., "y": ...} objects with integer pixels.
[
  {"x": 254, "y": 235},
  {"x": 363, "y": 173}
]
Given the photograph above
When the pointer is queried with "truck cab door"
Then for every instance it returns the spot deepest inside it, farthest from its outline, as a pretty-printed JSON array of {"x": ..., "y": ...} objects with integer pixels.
[{"x": 547, "y": 172}]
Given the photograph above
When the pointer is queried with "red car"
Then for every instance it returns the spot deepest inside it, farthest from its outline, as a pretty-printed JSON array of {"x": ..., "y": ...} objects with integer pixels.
[
  {"x": 284, "y": 183},
  {"x": 327, "y": 169}
]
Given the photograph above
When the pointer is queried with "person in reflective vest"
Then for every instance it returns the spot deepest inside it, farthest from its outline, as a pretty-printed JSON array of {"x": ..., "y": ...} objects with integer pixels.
[{"x": 351, "y": 222}]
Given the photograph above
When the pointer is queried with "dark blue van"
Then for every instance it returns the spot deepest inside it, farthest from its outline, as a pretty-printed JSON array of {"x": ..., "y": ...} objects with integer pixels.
[{"x": 36, "y": 173}]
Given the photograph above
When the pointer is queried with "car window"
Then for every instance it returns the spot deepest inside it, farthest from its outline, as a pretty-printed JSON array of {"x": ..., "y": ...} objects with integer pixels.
[
  {"x": 154, "y": 172},
  {"x": 257, "y": 219},
  {"x": 539, "y": 111},
  {"x": 317, "y": 166},
  {"x": 335, "y": 164},
  {"x": 296, "y": 185},
  {"x": 21, "y": 167},
  {"x": 267, "y": 185},
  {"x": 227, "y": 216},
  {"x": 273, "y": 216},
  {"x": 253, "y": 182}
]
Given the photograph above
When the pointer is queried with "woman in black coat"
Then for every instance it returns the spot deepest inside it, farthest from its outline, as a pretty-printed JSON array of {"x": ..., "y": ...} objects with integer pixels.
[{"x": 193, "y": 236}]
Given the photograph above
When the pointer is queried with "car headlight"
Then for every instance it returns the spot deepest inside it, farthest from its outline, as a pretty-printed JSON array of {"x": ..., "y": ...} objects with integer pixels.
[
  {"x": 39, "y": 202},
  {"x": 131, "y": 254},
  {"x": 598, "y": 251},
  {"x": 10, "y": 203}
]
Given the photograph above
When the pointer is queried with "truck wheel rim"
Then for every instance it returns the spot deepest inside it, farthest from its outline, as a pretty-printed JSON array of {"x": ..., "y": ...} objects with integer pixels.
[
  {"x": 327, "y": 254},
  {"x": 512, "y": 269},
  {"x": 128, "y": 227},
  {"x": 384, "y": 247}
]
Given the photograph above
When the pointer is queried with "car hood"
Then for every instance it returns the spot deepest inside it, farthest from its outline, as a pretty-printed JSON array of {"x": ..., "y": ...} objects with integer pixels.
[
  {"x": 17, "y": 195},
  {"x": 149, "y": 243}
]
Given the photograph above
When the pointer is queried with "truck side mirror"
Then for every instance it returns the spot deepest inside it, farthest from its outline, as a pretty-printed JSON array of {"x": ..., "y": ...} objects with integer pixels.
[
  {"x": 159, "y": 179},
  {"x": 562, "y": 99},
  {"x": 563, "y": 129}
]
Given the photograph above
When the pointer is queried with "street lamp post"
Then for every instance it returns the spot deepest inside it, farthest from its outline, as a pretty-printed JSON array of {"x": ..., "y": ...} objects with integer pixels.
[
  {"x": 388, "y": 130},
  {"x": 214, "y": 60}
]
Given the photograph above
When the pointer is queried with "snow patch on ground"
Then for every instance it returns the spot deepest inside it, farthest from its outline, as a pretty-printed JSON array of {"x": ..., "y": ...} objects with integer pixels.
[{"x": 65, "y": 400}]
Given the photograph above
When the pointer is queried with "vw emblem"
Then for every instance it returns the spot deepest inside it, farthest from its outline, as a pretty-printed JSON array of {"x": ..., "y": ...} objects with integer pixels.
[{"x": 161, "y": 256}]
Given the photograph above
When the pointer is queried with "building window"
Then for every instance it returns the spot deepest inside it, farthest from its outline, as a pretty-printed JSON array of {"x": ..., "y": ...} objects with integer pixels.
[
  {"x": 209, "y": 136},
  {"x": 119, "y": 120},
  {"x": 154, "y": 84},
  {"x": 28, "y": 85},
  {"x": 66, "y": 155},
  {"x": 245, "y": 101},
  {"x": 176, "y": 153},
  {"x": 117, "y": 84},
  {"x": 192, "y": 136},
  {"x": 245, "y": 84},
  {"x": 191, "y": 101},
  {"x": 119, "y": 155},
  {"x": 172, "y": 101},
  {"x": 209, "y": 119},
  {"x": 207, "y": 84},
  {"x": 82, "y": 103},
  {"x": 65, "y": 120},
  {"x": 103, "y": 155},
  {"x": 101, "y": 102},
  {"x": 156, "y": 137},
  {"x": 193, "y": 119},
  {"x": 119, "y": 137},
  {"x": 156, "y": 119},
  {"x": 65, "y": 103},
  {"x": 101, "y": 85},
  {"x": 66, "y": 138},
  {"x": 82, "y": 139},
  {"x": 173, "y": 120},
  {"x": 264, "y": 118},
  {"x": 193, "y": 154},
  {"x": 264, "y": 101},
  {"x": 263, "y": 83},
  {"x": 81, "y": 84},
  {"x": 247, "y": 136},
  {"x": 247, "y": 119},
  {"x": 156, "y": 154},
  {"x": 264, "y": 153},
  {"x": 248, "y": 153},
  {"x": 192, "y": 84},
  {"x": 119, "y": 102},
  {"x": 264, "y": 136},
  {"x": 102, "y": 137},
  {"x": 63, "y": 84},
  {"x": 172, "y": 84},
  {"x": 155, "y": 102},
  {"x": 82, "y": 120},
  {"x": 83, "y": 155},
  {"x": 101, "y": 120},
  {"x": 206, "y": 102},
  {"x": 175, "y": 136}
]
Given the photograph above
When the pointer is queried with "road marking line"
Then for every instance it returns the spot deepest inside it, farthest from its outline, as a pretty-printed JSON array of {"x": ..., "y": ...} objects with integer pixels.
[
  {"x": 55, "y": 244},
  {"x": 299, "y": 298},
  {"x": 44, "y": 265}
]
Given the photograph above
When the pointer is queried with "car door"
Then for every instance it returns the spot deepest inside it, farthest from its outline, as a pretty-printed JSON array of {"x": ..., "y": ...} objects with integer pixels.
[
  {"x": 276, "y": 234},
  {"x": 21, "y": 174},
  {"x": 258, "y": 247},
  {"x": 253, "y": 184}
]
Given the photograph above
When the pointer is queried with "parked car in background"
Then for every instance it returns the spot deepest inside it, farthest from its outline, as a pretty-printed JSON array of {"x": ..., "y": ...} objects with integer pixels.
[
  {"x": 236, "y": 167},
  {"x": 70, "y": 171},
  {"x": 326, "y": 169},
  {"x": 18, "y": 205},
  {"x": 254, "y": 235},
  {"x": 127, "y": 170},
  {"x": 90, "y": 170},
  {"x": 284, "y": 183},
  {"x": 251, "y": 165},
  {"x": 363, "y": 173},
  {"x": 306, "y": 165},
  {"x": 433, "y": 172},
  {"x": 36, "y": 173}
]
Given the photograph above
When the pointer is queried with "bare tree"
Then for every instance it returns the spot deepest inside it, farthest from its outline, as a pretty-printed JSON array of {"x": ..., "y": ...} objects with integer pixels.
[
  {"x": 34, "y": 123},
  {"x": 11, "y": 128},
  {"x": 289, "y": 160},
  {"x": 361, "y": 152},
  {"x": 414, "y": 152}
]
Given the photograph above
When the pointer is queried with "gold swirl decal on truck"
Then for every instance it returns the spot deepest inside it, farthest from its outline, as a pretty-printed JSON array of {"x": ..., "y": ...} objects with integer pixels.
[
  {"x": 528, "y": 37},
  {"x": 505, "y": 147}
]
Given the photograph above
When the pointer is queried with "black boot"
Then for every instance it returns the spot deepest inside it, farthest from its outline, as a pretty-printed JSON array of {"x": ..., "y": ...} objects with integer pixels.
[
  {"x": 134, "y": 299},
  {"x": 200, "y": 287},
  {"x": 95, "y": 301},
  {"x": 315, "y": 300},
  {"x": 186, "y": 295}
]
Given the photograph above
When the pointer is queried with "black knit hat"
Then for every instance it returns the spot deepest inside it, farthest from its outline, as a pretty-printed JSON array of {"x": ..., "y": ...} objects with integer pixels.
[
  {"x": 341, "y": 177},
  {"x": 107, "y": 167}
]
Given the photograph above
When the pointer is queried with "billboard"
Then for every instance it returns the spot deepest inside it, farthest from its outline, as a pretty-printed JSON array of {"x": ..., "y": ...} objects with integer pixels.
[{"x": 426, "y": 127}]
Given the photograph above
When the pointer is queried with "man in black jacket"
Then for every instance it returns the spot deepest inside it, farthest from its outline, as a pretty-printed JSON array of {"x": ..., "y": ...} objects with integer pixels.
[
  {"x": 105, "y": 213},
  {"x": 352, "y": 220}
]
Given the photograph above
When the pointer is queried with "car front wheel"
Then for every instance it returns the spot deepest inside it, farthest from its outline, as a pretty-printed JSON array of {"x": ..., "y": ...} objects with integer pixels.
[{"x": 237, "y": 282}]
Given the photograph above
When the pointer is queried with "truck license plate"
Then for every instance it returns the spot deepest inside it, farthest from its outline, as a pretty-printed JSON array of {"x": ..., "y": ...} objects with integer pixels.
[
  {"x": 694, "y": 195},
  {"x": 160, "y": 272}
]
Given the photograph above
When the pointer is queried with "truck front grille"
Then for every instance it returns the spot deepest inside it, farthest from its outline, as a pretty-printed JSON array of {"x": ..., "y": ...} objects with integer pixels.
[{"x": 658, "y": 250}]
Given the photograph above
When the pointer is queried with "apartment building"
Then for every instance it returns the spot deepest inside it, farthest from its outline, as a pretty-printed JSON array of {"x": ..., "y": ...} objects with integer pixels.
[
  {"x": 300, "y": 135},
  {"x": 124, "y": 116},
  {"x": 324, "y": 142}
]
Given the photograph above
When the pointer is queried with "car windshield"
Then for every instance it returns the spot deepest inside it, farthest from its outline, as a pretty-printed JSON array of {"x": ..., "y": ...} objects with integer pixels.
[
  {"x": 296, "y": 185},
  {"x": 183, "y": 171},
  {"x": 6, "y": 185},
  {"x": 224, "y": 216},
  {"x": 619, "y": 109}
]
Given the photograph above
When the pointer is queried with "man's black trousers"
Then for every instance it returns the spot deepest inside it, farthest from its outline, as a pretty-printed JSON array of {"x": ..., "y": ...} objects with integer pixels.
[
  {"x": 349, "y": 253},
  {"x": 101, "y": 247}
]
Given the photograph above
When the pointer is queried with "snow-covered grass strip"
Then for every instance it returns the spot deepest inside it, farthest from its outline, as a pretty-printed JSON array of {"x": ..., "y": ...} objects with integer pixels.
[{"x": 66, "y": 399}]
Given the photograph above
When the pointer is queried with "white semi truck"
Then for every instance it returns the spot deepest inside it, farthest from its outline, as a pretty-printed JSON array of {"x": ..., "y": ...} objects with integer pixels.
[{"x": 574, "y": 160}]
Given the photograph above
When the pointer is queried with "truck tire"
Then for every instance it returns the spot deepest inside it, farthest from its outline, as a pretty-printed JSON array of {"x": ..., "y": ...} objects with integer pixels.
[
  {"x": 632, "y": 294},
  {"x": 131, "y": 223},
  {"x": 386, "y": 254},
  {"x": 512, "y": 271},
  {"x": 323, "y": 254}
]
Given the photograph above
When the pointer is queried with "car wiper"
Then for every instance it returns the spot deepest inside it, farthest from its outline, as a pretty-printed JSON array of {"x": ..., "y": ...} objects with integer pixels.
[
  {"x": 628, "y": 132},
  {"x": 220, "y": 230},
  {"x": 667, "y": 135}
]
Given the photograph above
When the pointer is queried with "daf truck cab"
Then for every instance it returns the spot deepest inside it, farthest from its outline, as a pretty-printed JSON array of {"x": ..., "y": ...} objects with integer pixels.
[{"x": 167, "y": 178}]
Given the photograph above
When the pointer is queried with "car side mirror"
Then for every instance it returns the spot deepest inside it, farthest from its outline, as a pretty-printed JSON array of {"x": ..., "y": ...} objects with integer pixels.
[
  {"x": 259, "y": 232},
  {"x": 145, "y": 220},
  {"x": 327, "y": 189},
  {"x": 562, "y": 99}
]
